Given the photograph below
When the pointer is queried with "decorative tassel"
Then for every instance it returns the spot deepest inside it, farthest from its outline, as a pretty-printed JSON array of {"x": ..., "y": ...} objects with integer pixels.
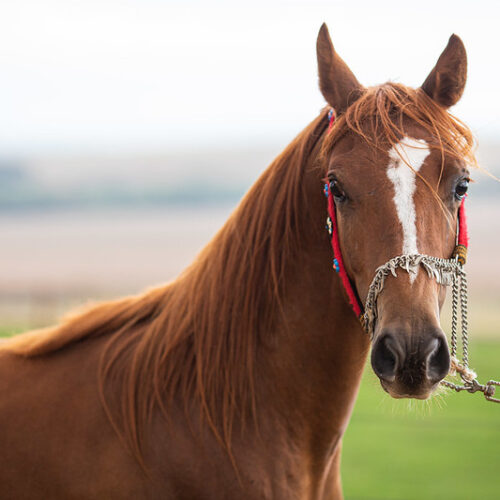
[{"x": 331, "y": 119}]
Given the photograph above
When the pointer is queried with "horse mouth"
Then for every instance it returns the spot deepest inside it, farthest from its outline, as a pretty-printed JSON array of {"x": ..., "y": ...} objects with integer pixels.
[{"x": 397, "y": 392}]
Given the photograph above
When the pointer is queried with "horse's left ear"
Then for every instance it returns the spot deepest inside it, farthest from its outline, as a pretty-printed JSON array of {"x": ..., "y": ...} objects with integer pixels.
[{"x": 446, "y": 82}]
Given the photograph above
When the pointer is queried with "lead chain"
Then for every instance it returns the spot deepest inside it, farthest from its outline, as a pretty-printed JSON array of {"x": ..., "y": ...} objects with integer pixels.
[
  {"x": 454, "y": 317},
  {"x": 468, "y": 376},
  {"x": 463, "y": 311}
]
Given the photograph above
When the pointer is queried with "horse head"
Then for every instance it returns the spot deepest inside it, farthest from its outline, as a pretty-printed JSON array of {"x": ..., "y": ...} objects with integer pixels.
[{"x": 396, "y": 163}]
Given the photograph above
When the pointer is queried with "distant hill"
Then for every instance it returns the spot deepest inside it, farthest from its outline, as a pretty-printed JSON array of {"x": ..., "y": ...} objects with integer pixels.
[{"x": 181, "y": 177}]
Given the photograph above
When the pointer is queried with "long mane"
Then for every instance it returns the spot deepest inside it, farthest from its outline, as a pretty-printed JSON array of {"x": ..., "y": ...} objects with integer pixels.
[{"x": 198, "y": 336}]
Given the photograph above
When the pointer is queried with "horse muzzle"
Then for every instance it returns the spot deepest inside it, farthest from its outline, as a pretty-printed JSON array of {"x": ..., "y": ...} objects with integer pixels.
[{"x": 410, "y": 365}]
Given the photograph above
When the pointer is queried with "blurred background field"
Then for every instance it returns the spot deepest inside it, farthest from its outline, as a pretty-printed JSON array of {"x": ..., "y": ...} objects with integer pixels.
[
  {"x": 131, "y": 129},
  {"x": 445, "y": 448}
]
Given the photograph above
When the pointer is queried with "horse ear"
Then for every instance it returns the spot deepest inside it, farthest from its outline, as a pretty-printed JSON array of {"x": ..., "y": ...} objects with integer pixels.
[
  {"x": 338, "y": 85},
  {"x": 446, "y": 82}
]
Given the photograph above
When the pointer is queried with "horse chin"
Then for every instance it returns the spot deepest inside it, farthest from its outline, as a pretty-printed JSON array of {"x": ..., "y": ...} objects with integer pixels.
[{"x": 396, "y": 392}]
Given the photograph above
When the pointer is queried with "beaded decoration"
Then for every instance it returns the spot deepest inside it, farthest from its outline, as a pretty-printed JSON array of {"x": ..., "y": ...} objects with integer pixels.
[{"x": 331, "y": 119}]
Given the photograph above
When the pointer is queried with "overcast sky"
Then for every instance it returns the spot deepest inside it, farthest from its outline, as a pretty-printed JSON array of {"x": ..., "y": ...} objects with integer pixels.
[{"x": 141, "y": 75}]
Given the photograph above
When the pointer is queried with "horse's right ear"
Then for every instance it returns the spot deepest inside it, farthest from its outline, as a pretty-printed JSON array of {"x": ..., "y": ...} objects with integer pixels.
[{"x": 338, "y": 85}]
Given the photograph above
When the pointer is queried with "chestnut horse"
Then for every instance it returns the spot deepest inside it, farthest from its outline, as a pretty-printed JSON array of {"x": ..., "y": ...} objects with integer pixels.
[{"x": 237, "y": 380}]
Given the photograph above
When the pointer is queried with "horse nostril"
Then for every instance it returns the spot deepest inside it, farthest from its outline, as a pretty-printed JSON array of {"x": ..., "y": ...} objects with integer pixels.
[
  {"x": 385, "y": 358},
  {"x": 438, "y": 361}
]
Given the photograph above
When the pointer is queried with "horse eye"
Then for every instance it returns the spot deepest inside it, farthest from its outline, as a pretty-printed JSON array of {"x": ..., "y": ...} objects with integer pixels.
[
  {"x": 461, "y": 188},
  {"x": 336, "y": 191}
]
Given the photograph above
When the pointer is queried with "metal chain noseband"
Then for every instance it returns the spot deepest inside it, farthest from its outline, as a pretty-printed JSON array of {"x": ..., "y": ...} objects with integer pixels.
[{"x": 446, "y": 272}]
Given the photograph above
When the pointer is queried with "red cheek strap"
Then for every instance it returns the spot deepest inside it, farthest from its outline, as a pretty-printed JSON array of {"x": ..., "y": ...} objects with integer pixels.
[
  {"x": 460, "y": 252},
  {"x": 338, "y": 261}
]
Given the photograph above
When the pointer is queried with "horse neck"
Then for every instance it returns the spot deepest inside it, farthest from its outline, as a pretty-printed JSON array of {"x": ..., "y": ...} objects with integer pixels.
[
  {"x": 264, "y": 315},
  {"x": 315, "y": 359}
]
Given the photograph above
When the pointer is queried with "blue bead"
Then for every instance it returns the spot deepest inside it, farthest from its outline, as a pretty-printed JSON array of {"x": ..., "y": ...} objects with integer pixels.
[
  {"x": 325, "y": 190},
  {"x": 336, "y": 265}
]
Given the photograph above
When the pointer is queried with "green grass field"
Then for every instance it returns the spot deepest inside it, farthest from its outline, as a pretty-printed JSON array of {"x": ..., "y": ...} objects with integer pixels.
[
  {"x": 445, "y": 448},
  {"x": 10, "y": 332}
]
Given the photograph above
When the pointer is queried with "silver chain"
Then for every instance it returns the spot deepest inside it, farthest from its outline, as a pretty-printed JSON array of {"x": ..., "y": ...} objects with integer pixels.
[
  {"x": 454, "y": 317},
  {"x": 463, "y": 310},
  {"x": 446, "y": 272}
]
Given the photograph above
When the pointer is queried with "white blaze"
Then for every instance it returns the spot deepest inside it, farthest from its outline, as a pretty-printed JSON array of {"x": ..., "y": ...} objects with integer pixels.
[{"x": 407, "y": 152}]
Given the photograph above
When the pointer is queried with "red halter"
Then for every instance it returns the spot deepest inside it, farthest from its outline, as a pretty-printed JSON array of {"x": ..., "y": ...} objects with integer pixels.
[
  {"x": 338, "y": 261},
  {"x": 459, "y": 253}
]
